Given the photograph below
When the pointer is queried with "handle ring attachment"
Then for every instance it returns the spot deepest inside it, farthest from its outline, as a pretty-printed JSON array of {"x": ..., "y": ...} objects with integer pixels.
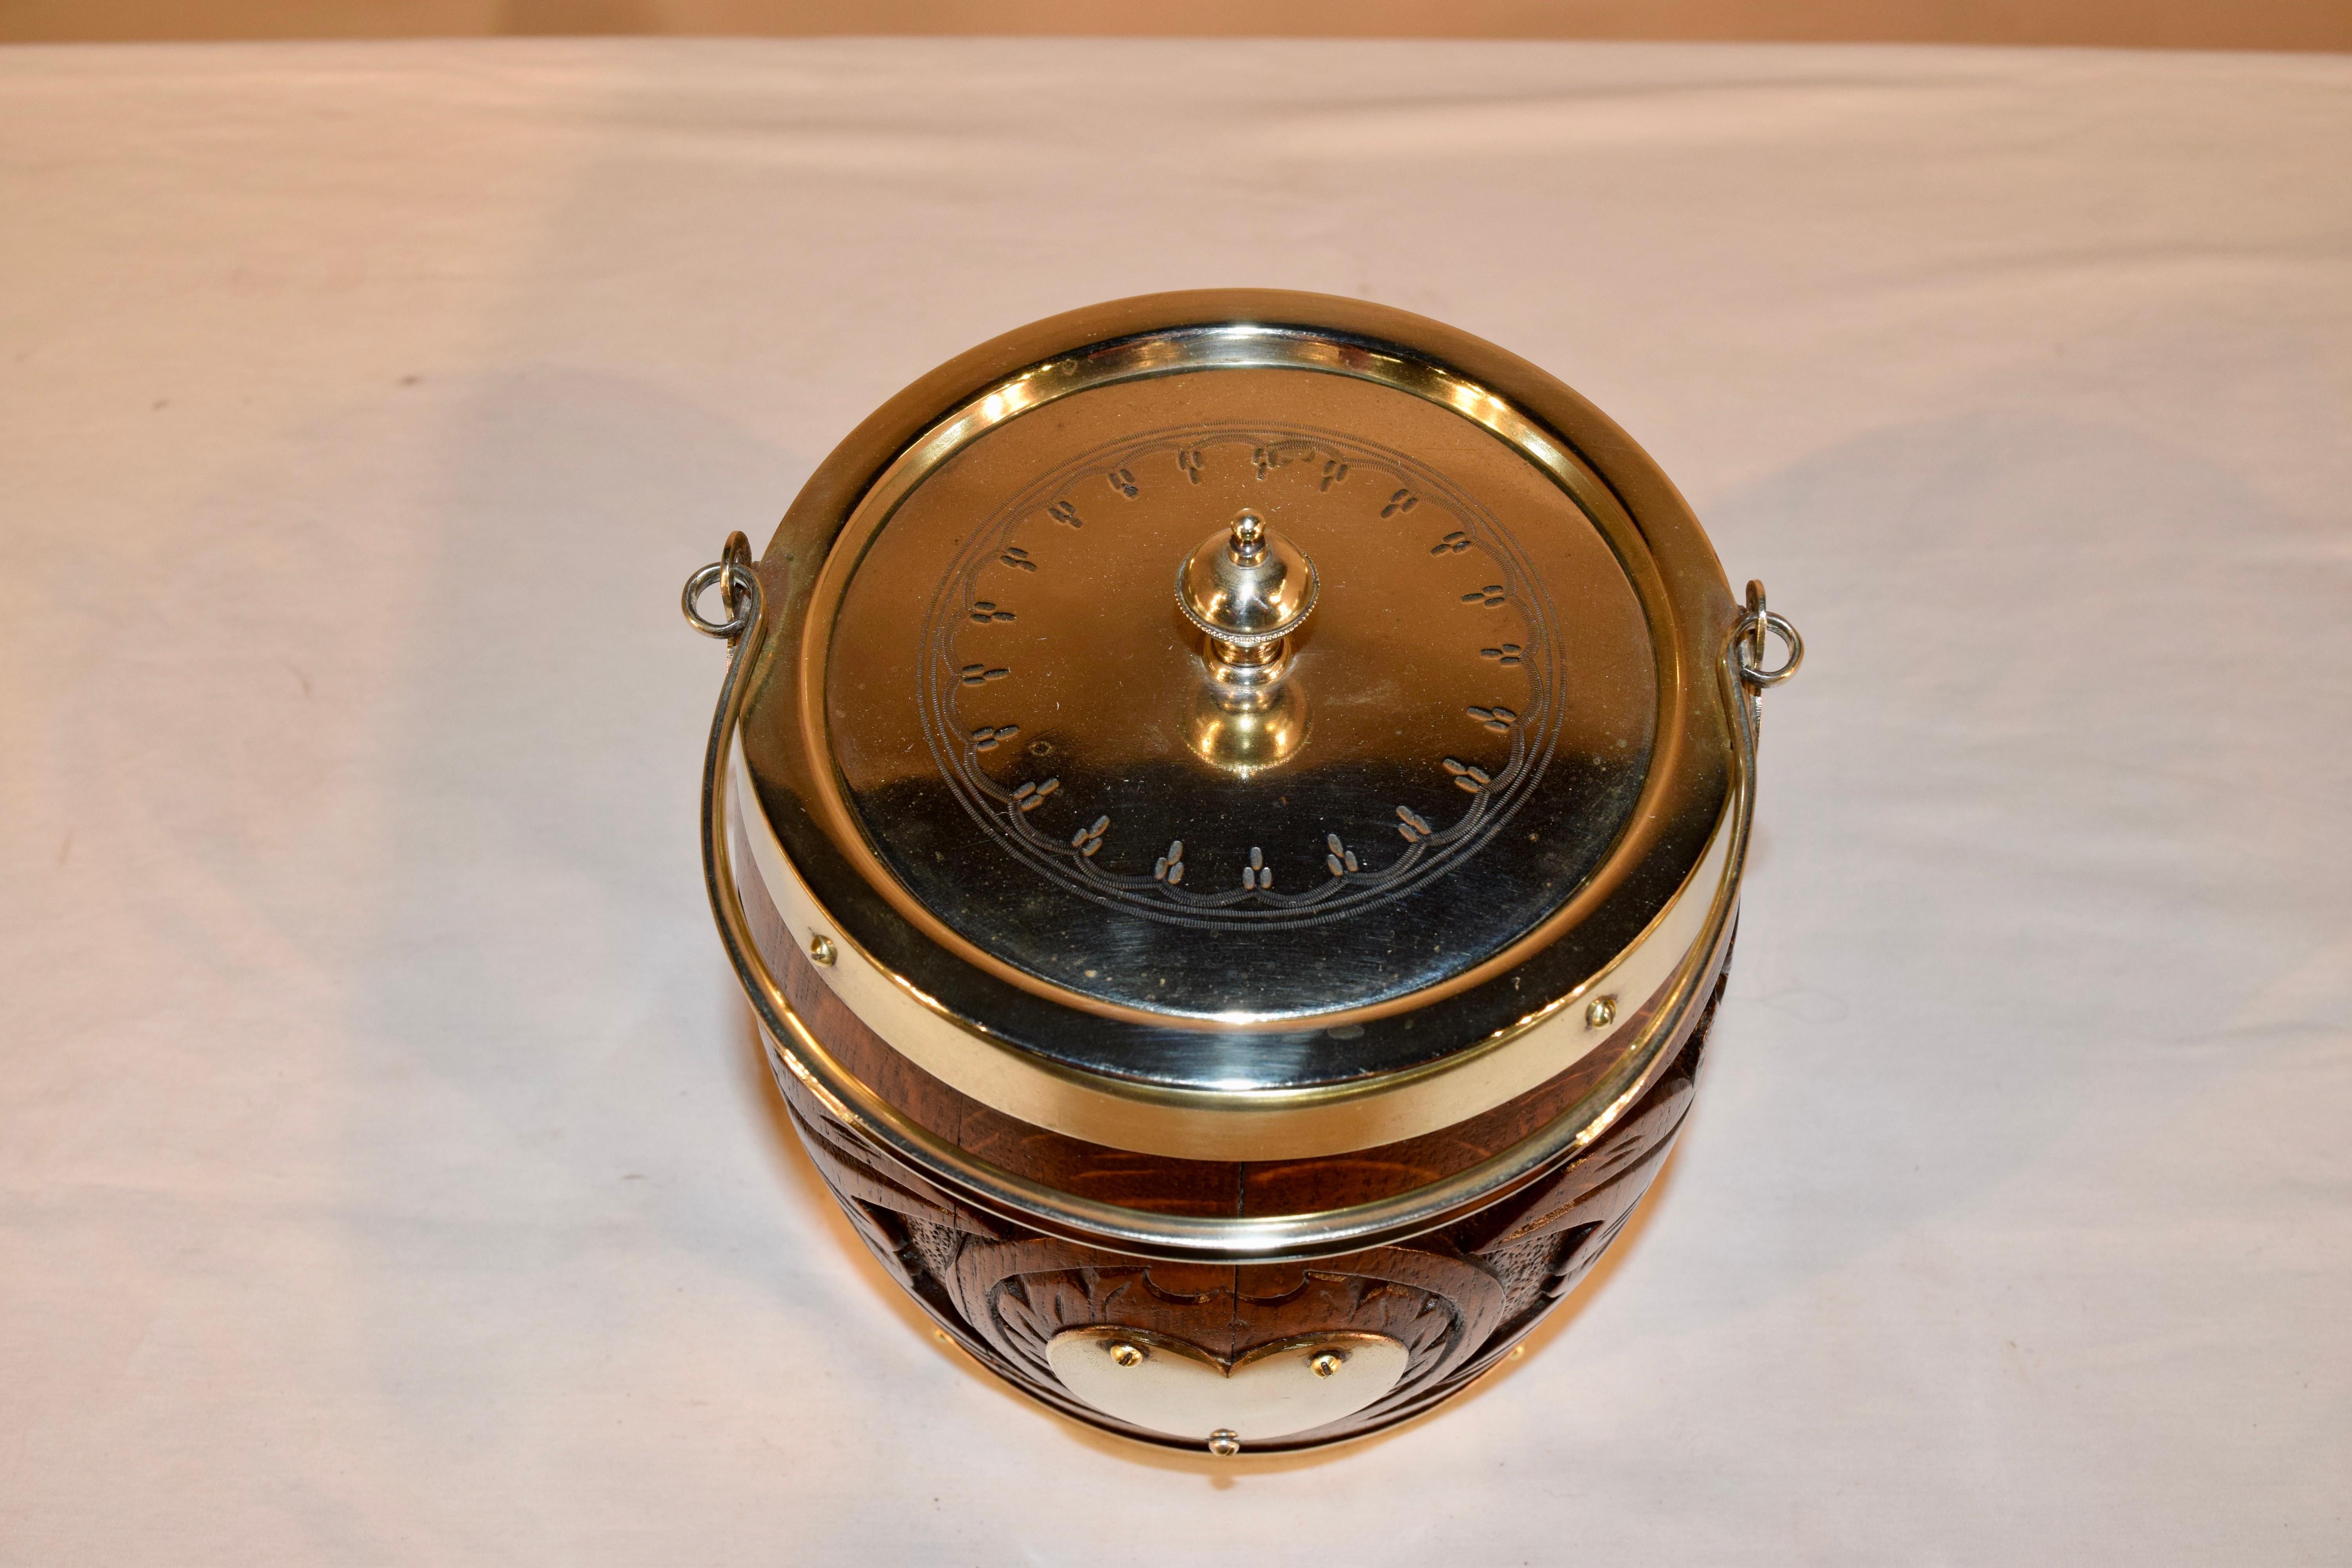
[
  {"x": 739, "y": 591},
  {"x": 1748, "y": 638}
]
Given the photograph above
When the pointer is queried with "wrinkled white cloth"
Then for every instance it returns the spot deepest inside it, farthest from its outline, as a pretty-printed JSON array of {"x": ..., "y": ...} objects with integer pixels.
[{"x": 387, "y": 1170}]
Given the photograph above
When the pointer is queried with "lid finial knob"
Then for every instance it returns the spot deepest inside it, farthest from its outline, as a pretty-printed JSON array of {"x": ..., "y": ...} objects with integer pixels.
[
  {"x": 1247, "y": 589},
  {"x": 1248, "y": 546}
]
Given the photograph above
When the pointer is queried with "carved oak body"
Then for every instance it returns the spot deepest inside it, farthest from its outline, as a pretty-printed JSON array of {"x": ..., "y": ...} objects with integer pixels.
[{"x": 1457, "y": 1299}]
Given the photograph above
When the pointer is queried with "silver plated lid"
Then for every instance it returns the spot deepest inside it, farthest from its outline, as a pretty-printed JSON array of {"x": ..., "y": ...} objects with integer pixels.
[{"x": 1243, "y": 725}]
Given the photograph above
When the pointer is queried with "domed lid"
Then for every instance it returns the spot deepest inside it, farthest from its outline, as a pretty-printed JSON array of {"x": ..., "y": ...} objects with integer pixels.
[{"x": 1242, "y": 723}]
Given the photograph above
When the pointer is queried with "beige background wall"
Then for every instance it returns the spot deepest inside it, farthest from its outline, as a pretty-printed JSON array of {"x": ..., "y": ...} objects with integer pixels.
[{"x": 2306, "y": 25}]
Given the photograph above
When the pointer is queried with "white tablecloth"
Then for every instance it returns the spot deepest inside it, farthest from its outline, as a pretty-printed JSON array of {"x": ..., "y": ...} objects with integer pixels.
[{"x": 387, "y": 1170}]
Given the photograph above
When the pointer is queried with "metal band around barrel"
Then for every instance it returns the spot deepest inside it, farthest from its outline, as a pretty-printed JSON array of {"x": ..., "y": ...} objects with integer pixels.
[
  {"x": 1204, "y": 1238},
  {"x": 1194, "y": 1123},
  {"x": 1189, "y": 1122}
]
